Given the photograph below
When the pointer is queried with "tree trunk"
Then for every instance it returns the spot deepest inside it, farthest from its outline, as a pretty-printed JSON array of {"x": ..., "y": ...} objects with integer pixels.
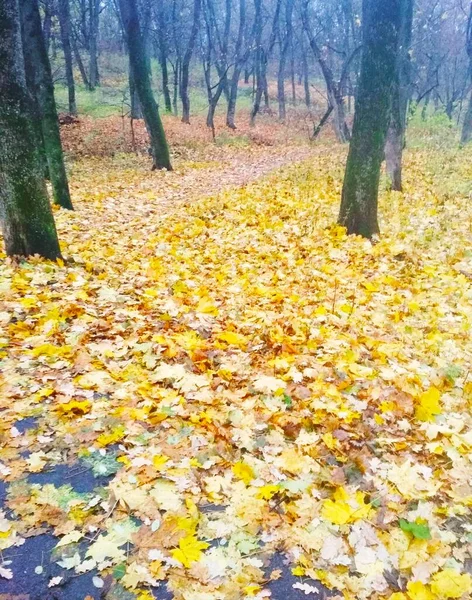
[
  {"x": 27, "y": 220},
  {"x": 466, "y": 135},
  {"x": 37, "y": 63},
  {"x": 306, "y": 80},
  {"x": 140, "y": 72},
  {"x": 400, "y": 95},
  {"x": 135, "y": 105},
  {"x": 242, "y": 54},
  {"x": 94, "y": 10},
  {"x": 186, "y": 62},
  {"x": 64, "y": 21},
  {"x": 334, "y": 90},
  {"x": 175, "y": 97},
  {"x": 285, "y": 47},
  {"x": 262, "y": 57},
  {"x": 80, "y": 64},
  {"x": 162, "y": 47},
  {"x": 359, "y": 204},
  {"x": 47, "y": 23}
]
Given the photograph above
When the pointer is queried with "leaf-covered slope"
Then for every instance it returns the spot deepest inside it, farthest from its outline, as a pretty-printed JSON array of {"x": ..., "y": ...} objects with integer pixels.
[{"x": 247, "y": 379}]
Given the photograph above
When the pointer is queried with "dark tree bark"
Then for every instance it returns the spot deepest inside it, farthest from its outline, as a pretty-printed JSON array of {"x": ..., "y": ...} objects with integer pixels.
[
  {"x": 186, "y": 62},
  {"x": 162, "y": 53},
  {"x": 400, "y": 96},
  {"x": 262, "y": 56},
  {"x": 243, "y": 49},
  {"x": 140, "y": 72},
  {"x": 94, "y": 16},
  {"x": 39, "y": 74},
  {"x": 285, "y": 47},
  {"x": 466, "y": 136},
  {"x": 306, "y": 79},
  {"x": 47, "y": 23},
  {"x": 359, "y": 204},
  {"x": 27, "y": 220},
  {"x": 135, "y": 105},
  {"x": 80, "y": 62},
  {"x": 64, "y": 21},
  {"x": 334, "y": 89}
]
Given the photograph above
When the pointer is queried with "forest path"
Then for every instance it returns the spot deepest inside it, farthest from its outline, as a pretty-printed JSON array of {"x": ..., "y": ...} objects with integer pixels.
[{"x": 100, "y": 186}]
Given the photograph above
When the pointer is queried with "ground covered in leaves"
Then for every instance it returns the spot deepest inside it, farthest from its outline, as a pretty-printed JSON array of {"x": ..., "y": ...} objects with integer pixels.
[{"x": 227, "y": 398}]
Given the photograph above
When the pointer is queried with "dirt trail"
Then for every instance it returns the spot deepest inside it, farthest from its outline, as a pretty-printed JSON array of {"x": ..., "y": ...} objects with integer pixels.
[{"x": 237, "y": 171}]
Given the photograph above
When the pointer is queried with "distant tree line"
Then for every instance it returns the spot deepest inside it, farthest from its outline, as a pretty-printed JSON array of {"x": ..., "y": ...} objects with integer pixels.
[{"x": 385, "y": 57}]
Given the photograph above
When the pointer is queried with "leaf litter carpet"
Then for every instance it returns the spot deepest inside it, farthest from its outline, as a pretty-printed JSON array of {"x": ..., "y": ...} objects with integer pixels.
[{"x": 224, "y": 397}]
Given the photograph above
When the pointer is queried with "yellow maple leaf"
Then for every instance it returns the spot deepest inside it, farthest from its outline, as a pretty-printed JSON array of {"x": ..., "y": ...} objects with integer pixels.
[
  {"x": 429, "y": 405},
  {"x": 449, "y": 583},
  {"x": 159, "y": 460},
  {"x": 189, "y": 550},
  {"x": 267, "y": 491},
  {"x": 244, "y": 472},
  {"x": 344, "y": 508},
  {"x": 419, "y": 591},
  {"x": 116, "y": 435},
  {"x": 74, "y": 408},
  {"x": 233, "y": 339},
  {"x": 206, "y": 306}
]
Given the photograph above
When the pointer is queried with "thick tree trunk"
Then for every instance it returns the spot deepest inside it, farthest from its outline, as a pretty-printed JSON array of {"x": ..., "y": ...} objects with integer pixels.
[
  {"x": 186, "y": 62},
  {"x": 27, "y": 220},
  {"x": 64, "y": 21},
  {"x": 37, "y": 63},
  {"x": 47, "y": 23},
  {"x": 94, "y": 10},
  {"x": 381, "y": 25},
  {"x": 400, "y": 96},
  {"x": 140, "y": 72}
]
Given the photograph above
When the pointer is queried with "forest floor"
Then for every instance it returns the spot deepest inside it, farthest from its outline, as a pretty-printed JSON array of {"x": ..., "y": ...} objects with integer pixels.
[{"x": 218, "y": 395}]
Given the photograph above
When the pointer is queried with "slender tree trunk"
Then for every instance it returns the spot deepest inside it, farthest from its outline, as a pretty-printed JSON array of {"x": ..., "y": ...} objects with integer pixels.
[
  {"x": 139, "y": 68},
  {"x": 64, "y": 21},
  {"x": 186, "y": 62},
  {"x": 175, "y": 97},
  {"x": 135, "y": 105},
  {"x": 359, "y": 204},
  {"x": 80, "y": 63},
  {"x": 242, "y": 55},
  {"x": 466, "y": 136},
  {"x": 306, "y": 80},
  {"x": 27, "y": 220},
  {"x": 37, "y": 63},
  {"x": 162, "y": 47},
  {"x": 333, "y": 89},
  {"x": 94, "y": 10},
  {"x": 400, "y": 95},
  {"x": 285, "y": 47}
]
